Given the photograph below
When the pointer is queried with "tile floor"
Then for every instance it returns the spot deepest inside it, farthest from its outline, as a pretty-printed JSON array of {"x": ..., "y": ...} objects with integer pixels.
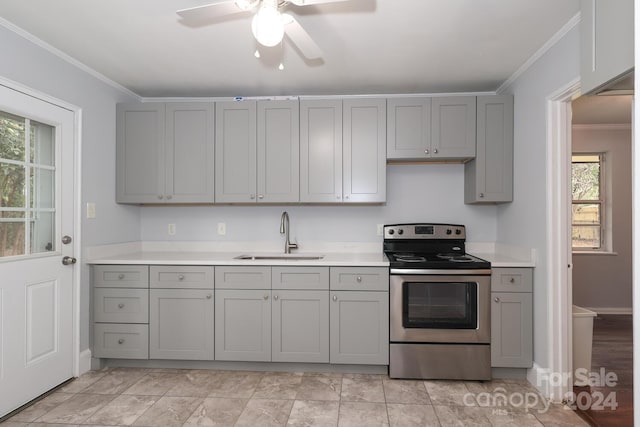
[{"x": 167, "y": 398}]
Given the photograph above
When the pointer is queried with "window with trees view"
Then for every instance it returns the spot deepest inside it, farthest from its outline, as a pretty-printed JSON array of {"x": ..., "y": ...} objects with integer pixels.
[
  {"x": 27, "y": 183},
  {"x": 587, "y": 201}
]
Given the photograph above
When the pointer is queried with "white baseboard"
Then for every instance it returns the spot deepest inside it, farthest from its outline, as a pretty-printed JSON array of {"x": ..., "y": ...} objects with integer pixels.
[
  {"x": 534, "y": 375},
  {"x": 611, "y": 310},
  {"x": 84, "y": 364}
]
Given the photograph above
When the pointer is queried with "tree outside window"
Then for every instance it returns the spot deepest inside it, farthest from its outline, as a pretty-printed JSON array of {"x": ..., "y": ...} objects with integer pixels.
[{"x": 587, "y": 201}]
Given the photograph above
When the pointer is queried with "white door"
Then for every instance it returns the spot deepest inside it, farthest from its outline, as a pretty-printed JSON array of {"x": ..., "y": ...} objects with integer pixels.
[{"x": 36, "y": 212}]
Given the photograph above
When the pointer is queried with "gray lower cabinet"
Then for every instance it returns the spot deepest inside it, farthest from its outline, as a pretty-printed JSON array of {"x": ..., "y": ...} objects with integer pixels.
[
  {"x": 489, "y": 177},
  {"x": 512, "y": 318},
  {"x": 120, "y": 311},
  {"x": 359, "y": 315}
]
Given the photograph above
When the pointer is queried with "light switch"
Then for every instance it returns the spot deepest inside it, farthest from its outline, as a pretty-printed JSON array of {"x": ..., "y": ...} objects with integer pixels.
[
  {"x": 222, "y": 228},
  {"x": 91, "y": 210},
  {"x": 171, "y": 229}
]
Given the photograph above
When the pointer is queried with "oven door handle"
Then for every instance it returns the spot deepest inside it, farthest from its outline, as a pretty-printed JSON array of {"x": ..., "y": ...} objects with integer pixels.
[{"x": 435, "y": 272}]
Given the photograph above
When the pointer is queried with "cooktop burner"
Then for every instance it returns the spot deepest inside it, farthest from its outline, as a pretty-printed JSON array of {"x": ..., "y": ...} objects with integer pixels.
[{"x": 409, "y": 258}]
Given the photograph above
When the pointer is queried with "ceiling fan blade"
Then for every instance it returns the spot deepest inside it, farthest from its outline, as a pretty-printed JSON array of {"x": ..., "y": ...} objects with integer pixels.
[
  {"x": 300, "y": 37},
  {"x": 212, "y": 10},
  {"x": 312, "y": 2}
]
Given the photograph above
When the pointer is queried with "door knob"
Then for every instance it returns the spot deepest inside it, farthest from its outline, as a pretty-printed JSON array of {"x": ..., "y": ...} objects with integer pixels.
[
  {"x": 68, "y": 260},
  {"x": 66, "y": 240}
]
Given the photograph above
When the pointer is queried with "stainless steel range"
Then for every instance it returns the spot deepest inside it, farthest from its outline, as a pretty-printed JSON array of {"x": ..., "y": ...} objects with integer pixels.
[{"x": 439, "y": 304}]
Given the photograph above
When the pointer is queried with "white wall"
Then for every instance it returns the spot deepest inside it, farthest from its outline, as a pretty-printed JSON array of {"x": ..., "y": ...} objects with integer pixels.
[
  {"x": 604, "y": 281},
  {"x": 38, "y": 69},
  {"x": 415, "y": 193},
  {"x": 523, "y": 221}
]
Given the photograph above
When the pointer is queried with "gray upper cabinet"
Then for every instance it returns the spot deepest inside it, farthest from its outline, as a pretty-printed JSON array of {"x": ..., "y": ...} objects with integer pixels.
[
  {"x": 164, "y": 153},
  {"x": 607, "y": 50},
  {"x": 408, "y": 128},
  {"x": 453, "y": 127},
  {"x": 321, "y": 151},
  {"x": 364, "y": 164},
  {"x": 489, "y": 177},
  {"x": 257, "y": 152}
]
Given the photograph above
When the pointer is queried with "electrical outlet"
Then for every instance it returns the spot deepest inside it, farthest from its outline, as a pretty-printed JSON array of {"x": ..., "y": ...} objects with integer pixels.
[
  {"x": 380, "y": 229},
  {"x": 171, "y": 229},
  {"x": 222, "y": 228},
  {"x": 91, "y": 210}
]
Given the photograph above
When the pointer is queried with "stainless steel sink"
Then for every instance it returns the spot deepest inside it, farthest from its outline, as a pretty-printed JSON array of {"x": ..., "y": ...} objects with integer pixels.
[{"x": 285, "y": 257}]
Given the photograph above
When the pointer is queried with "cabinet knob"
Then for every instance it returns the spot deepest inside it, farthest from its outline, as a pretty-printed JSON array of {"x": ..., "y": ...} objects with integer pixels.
[
  {"x": 335, "y": 298},
  {"x": 181, "y": 277},
  {"x": 121, "y": 305},
  {"x": 481, "y": 195},
  {"x": 120, "y": 276},
  {"x": 121, "y": 341},
  {"x": 359, "y": 279},
  {"x": 209, "y": 296},
  {"x": 512, "y": 280},
  {"x": 266, "y": 297},
  {"x": 435, "y": 151},
  {"x": 346, "y": 197},
  {"x": 496, "y": 299},
  {"x": 260, "y": 196},
  {"x": 426, "y": 151},
  {"x": 169, "y": 197},
  {"x": 338, "y": 196},
  {"x": 275, "y": 297},
  {"x": 159, "y": 197},
  {"x": 252, "y": 196}
]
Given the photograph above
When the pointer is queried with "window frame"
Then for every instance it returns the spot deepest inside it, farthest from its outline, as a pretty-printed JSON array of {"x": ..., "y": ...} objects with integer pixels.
[{"x": 601, "y": 202}]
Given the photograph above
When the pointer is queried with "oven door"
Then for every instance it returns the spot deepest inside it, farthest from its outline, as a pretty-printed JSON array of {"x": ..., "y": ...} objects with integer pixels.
[{"x": 440, "y": 308}]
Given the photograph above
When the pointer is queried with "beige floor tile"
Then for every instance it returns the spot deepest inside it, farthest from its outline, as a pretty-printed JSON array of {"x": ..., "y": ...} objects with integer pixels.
[
  {"x": 238, "y": 385},
  {"x": 193, "y": 384},
  {"x": 278, "y": 385},
  {"x": 314, "y": 413},
  {"x": 217, "y": 412},
  {"x": 265, "y": 413},
  {"x": 320, "y": 387},
  {"x": 76, "y": 409},
  {"x": 405, "y": 391},
  {"x": 507, "y": 417},
  {"x": 10, "y": 423},
  {"x": 153, "y": 384},
  {"x": 362, "y": 388},
  {"x": 401, "y": 415},
  {"x": 358, "y": 414},
  {"x": 559, "y": 416},
  {"x": 115, "y": 381},
  {"x": 467, "y": 416},
  {"x": 169, "y": 412},
  {"x": 123, "y": 410},
  {"x": 41, "y": 407},
  {"x": 449, "y": 393},
  {"x": 83, "y": 381}
]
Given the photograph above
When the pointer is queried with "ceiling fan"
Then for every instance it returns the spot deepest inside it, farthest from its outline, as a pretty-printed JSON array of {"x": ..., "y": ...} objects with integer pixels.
[{"x": 269, "y": 24}]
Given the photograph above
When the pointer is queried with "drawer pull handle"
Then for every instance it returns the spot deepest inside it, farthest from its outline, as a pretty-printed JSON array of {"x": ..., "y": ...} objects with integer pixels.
[
  {"x": 359, "y": 279},
  {"x": 512, "y": 280},
  {"x": 209, "y": 296},
  {"x": 121, "y": 305},
  {"x": 496, "y": 299},
  {"x": 120, "y": 276},
  {"x": 121, "y": 341},
  {"x": 335, "y": 298},
  {"x": 181, "y": 277}
]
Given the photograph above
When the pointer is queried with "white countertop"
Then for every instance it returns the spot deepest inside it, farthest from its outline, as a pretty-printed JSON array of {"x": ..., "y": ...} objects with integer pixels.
[{"x": 499, "y": 260}]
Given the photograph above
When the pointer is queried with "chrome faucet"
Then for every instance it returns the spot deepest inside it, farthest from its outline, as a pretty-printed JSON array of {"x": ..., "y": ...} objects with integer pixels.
[{"x": 284, "y": 229}]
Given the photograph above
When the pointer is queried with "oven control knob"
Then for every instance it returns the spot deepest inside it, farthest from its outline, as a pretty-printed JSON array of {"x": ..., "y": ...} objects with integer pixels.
[
  {"x": 448, "y": 231},
  {"x": 391, "y": 231},
  {"x": 458, "y": 231},
  {"x": 401, "y": 231}
]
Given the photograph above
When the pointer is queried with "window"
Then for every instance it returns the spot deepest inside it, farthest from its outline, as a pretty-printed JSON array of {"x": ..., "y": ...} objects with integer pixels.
[
  {"x": 27, "y": 180},
  {"x": 587, "y": 213}
]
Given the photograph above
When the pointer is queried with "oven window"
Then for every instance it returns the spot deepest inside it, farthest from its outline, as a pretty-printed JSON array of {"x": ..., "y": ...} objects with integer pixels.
[{"x": 446, "y": 305}]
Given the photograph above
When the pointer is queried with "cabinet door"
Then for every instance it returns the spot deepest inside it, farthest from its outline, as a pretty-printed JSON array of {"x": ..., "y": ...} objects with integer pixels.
[
  {"x": 511, "y": 330},
  {"x": 278, "y": 151},
  {"x": 606, "y": 32},
  {"x": 408, "y": 128},
  {"x": 300, "y": 322},
  {"x": 453, "y": 127},
  {"x": 181, "y": 324},
  {"x": 359, "y": 327},
  {"x": 243, "y": 325},
  {"x": 364, "y": 151},
  {"x": 140, "y": 153},
  {"x": 489, "y": 177},
  {"x": 189, "y": 152},
  {"x": 321, "y": 151},
  {"x": 235, "y": 169}
]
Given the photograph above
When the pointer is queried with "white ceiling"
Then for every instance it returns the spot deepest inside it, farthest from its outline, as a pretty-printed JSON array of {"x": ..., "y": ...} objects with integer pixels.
[
  {"x": 612, "y": 110},
  {"x": 370, "y": 46}
]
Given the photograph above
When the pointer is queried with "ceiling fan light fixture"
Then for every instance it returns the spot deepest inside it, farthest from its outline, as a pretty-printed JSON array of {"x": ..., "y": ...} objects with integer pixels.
[
  {"x": 244, "y": 4},
  {"x": 267, "y": 25}
]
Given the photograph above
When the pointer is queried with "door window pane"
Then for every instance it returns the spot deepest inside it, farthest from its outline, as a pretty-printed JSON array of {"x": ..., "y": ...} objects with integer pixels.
[
  {"x": 42, "y": 147},
  {"x": 12, "y": 185},
  {"x": 11, "y": 238},
  {"x": 12, "y": 130}
]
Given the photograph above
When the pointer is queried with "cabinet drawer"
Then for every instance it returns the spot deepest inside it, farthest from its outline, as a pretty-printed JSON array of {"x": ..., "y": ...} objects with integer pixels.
[
  {"x": 243, "y": 277},
  {"x": 181, "y": 277},
  {"x": 121, "y": 305},
  {"x": 512, "y": 280},
  {"x": 121, "y": 276},
  {"x": 121, "y": 341},
  {"x": 313, "y": 278},
  {"x": 360, "y": 279}
]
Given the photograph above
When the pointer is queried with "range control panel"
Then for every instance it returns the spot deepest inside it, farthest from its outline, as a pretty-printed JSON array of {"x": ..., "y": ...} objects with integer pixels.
[{"x": 424, "y": 231}]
